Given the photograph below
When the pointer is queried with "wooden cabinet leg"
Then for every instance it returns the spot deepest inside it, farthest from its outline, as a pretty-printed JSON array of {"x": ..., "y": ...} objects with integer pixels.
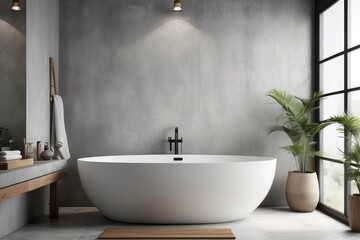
[{"x": 54, "y": 204}]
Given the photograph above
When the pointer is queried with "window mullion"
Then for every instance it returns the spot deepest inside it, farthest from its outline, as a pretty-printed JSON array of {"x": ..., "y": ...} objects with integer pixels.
[
  {"x": 346, "y": 101},
  {"x": 343, "y": 188}
]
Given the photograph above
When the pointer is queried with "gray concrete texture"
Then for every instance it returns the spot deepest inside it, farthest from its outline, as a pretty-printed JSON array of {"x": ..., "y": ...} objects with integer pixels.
[
  {"x": 42, "y": 42},
  {"x": 27, "y": 100},
  {"x": 12, "y": 72},
  {"x": 132, "y": 70},
  {"x": 13, "y": 211}
]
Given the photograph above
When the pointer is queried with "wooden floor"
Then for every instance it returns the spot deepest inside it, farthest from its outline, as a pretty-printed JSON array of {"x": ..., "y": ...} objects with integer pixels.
[{"x": 263, "y": 224}]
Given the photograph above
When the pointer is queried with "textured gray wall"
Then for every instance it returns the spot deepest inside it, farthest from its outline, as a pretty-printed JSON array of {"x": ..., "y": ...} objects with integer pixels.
[
  {"x": 12, "y": 72},
  {"x": 13, "y": 211},
  {"x": 132, "y": 70},
  {"x": 42, "y": 41}
]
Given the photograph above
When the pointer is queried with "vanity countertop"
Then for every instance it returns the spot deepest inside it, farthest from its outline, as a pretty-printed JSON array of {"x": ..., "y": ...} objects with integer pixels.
[{"x": 39, "y": 168}]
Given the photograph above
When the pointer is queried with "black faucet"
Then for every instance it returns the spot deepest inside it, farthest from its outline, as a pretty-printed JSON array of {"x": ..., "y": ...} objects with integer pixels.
[{"x": 176, "y": 141}]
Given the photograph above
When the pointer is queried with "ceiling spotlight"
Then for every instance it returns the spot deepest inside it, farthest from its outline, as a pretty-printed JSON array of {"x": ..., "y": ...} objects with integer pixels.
[
  {"x": 177, "y": 6},
  {"x": 16, "y": 5}
]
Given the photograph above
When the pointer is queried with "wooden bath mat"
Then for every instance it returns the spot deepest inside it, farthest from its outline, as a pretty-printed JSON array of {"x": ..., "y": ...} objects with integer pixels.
[{"x": 167, "y": 233}]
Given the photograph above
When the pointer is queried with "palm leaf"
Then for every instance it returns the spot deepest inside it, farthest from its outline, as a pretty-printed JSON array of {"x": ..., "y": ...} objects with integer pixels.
[
  {"x": 310, "y": 104},
  {"x": 295, "y": 121},
  {"x": 289, "y": 103},
  {"x": 293, "y": 135},
  {"x": 351, "y": 123}
]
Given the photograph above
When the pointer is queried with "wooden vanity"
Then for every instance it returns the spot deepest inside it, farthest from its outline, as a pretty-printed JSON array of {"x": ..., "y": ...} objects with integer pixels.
[{"x": 21, "y": 180}]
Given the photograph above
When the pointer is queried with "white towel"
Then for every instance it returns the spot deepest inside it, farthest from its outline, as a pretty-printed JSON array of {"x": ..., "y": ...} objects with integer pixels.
[
  {"x": 60, "y": 144},
  {"x": 11, "y": 157},
  {"x": 8, "y": 153}
]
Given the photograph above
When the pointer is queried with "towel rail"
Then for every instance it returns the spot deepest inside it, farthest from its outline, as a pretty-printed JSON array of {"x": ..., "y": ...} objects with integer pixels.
[{"x": 52, "y": 78}]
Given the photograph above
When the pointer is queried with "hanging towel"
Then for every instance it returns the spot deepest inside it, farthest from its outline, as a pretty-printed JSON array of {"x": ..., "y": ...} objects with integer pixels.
[
  {"x": 59, "y": 143},
  {"x": 11, "y": 157},
  {"x": 8, "y": 153}
]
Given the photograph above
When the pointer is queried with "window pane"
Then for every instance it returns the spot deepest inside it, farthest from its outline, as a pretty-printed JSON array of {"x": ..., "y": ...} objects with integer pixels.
[
  {"x": 332, "y": 75},
  {"x": 354, "y": 102},
  {"x": 354, "y": 69},
  {"x": 332, "y": 30},
  {"x": 333, "y": 185},
  {"x": 332, "y": 142},
  {"x": 331, "y": 105},
  {"x": 354, "y": 22}
]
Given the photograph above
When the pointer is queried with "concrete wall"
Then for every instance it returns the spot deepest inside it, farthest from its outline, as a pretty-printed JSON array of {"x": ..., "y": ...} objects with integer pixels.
[
  {"x": 42, "y": 41},
  {"x": 17, "y": 211},
  {"x": 12, "y": 71},
  {"x": 132, "y": 70},
  {"x": 13, "y": 101}
]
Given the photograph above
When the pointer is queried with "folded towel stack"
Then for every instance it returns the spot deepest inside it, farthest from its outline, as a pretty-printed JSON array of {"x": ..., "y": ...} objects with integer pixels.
[{"x": 10, "y": 155}]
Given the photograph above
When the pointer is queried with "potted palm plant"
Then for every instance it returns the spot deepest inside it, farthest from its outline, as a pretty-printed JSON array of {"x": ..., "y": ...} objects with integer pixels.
[
  {"x": 296, "y": 121},
  {"x": 352, "y": 163}
]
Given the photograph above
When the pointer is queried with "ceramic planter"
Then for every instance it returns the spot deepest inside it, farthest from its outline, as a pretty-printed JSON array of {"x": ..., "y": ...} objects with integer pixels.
[
  {"x": 354, "y": 212},
  {"x": 47, "y": 154},
  {"x": 302, "y": 191}
]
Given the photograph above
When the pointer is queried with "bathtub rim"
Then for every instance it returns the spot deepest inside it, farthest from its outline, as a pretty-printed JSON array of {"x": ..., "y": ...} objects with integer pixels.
[{"x": 169, "y": 158}]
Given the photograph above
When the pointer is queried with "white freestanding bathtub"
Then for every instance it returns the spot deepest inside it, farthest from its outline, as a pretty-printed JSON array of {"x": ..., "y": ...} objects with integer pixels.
[{"x": 157, "y": 189}]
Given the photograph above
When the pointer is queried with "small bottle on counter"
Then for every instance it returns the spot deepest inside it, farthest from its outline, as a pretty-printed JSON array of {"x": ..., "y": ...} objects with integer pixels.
[
  {"x": 11, "y": 144},
  {"x": 29, "y": 150},
  {"x": 47, "y": 154},
  {"x": 38, "y": 150}
]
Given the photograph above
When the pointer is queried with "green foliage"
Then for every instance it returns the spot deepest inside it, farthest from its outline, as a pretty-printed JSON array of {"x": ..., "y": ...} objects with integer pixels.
[
  {"x": 351, "y": 124},
  {"x": 296, "y": 122}
]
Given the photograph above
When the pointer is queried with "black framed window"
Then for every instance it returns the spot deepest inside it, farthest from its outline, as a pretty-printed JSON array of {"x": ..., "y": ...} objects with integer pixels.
[{"x": 338, "y": 76}]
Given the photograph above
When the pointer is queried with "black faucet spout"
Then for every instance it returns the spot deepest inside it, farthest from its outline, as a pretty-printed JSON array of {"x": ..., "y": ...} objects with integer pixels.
[{"x": 176, "y": 141}]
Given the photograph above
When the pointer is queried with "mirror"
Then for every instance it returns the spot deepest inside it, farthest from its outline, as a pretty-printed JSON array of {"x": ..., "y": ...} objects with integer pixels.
[{"x": 12, "y": 75}]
